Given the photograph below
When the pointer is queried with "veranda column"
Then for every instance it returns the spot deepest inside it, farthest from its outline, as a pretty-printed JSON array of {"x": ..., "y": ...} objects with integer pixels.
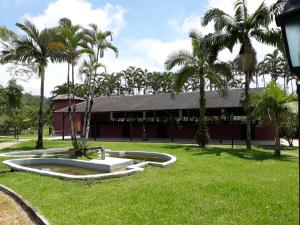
[{"x": 63, "y": 126}]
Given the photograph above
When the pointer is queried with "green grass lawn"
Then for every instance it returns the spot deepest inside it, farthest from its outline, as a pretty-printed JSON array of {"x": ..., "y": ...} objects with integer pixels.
[
  {"x": 215, "y": 185},
  {"x": 25, "y": 135}
]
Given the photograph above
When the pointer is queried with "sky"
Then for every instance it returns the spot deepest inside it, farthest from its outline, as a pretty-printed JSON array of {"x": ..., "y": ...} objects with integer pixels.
[{"x": 145, "y": 31}]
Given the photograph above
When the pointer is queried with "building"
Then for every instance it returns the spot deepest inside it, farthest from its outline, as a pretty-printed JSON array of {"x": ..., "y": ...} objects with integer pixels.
[
  {"x": 62, "y": 121},
  {"x": 165, "y": 116}
]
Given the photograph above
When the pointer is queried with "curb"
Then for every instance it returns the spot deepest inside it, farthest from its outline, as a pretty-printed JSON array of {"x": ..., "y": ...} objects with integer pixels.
[{"x": 29, "y": 210}]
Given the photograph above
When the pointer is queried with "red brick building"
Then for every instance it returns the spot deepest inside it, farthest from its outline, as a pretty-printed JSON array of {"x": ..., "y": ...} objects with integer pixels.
[
  {"x": 61, "y": 120},
  {"x": 163, "y": 116}
]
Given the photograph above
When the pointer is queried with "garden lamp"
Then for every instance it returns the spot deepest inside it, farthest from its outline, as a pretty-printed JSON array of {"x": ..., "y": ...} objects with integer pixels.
[{"x": 289, "y": 21}]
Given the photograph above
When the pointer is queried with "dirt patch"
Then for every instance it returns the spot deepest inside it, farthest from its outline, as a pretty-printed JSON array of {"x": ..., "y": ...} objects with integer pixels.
[{"x": 11, "y": 213}]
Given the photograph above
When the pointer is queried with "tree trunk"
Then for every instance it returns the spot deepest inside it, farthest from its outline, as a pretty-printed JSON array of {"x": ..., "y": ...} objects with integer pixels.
[
  {"x": 72, "y": 117},
  {"x": 248, "y": 118},
  {"x": 202, "y": 132},
  {"x": 277, "y": 141},
  {"x": 40, "y": 143},
  {"x": 256, "y": 80}
]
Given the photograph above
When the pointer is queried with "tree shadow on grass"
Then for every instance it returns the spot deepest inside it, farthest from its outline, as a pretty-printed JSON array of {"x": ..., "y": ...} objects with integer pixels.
[{"x": 258, "y": 153}]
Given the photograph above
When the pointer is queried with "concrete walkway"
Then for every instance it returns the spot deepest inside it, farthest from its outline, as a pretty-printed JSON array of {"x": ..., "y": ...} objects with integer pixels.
[
  {"x": 8, "y": 144},
  {"x": 13, "y": 142}
]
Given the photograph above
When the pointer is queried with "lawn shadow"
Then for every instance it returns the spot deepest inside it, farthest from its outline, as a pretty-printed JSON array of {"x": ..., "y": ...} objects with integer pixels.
[{"x": 258, "y": 153}]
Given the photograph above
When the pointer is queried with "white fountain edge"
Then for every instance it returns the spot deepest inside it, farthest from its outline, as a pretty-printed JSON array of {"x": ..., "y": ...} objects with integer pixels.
[{"x": 130, "y": 169}]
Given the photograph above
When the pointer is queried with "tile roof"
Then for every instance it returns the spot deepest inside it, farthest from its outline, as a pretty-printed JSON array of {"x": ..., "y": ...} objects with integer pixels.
[
  {"x": 188, "y": 100},
  {"x": 64, "y": 97}
]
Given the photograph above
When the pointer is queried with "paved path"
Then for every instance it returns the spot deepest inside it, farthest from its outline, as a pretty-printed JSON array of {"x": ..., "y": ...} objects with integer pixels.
[
  {"x": 8, "y": 144},
  {"x": 14, "y": 142}
]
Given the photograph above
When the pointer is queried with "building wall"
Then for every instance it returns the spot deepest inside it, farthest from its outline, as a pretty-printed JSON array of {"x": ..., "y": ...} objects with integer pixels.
[
  {"x": 264, "y": 133},
  {"x": 58, "y": 117},
  {"x": 179, "y": 131},
  {"x": 183, "y": 130}
]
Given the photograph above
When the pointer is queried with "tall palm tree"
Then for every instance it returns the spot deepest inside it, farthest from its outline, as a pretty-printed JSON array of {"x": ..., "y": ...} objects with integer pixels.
[
  {"x": 96, "y": 42},
  {"x": 199, "y": 63},
  {"x": 274, "y": 64},
  {"x": 38, "y": 47},
  {"x": 241, "y": 29},
  {"x": 74, "y": 45},
  {"x": 89, "y": 72}
]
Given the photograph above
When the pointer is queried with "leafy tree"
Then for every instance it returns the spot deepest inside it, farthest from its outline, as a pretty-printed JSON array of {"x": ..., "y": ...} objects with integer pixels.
[
  {"x": 34, "y": 47},
  {"x": 240, "y": 29},
  {"x": 199, "y": 63},
  {"x": 270, "y": 107}
]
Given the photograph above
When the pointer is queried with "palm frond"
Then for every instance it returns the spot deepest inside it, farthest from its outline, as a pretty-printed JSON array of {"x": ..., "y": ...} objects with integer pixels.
[
  {"x": 182, "y": 76},
  {"x": 178, "y": 58},
  {"x": 30, "y": 29}
]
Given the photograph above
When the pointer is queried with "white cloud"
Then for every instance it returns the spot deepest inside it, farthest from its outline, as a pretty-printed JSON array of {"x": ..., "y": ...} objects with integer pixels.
[
  {"x": 81, "y": 12},
  {"x": 109, "y": 17},
  {"x": 193, "y": 22}
]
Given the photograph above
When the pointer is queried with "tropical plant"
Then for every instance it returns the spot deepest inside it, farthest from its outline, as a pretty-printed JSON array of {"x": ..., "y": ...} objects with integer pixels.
[
  {"x": 36, "y": 47},
  {"x": 199, "y": 63},
  {"x": 73, "y": 46},
  {"x": 289, "y": 128},
  {"x": 270, "y": 107},
  {"x": 110, "y": 84},
  {"x": 154, "y": 82},
  {"x": 6, "y": 35},
  {"x": 96, "y": 42},
  {"x": 133, "y": 78},
  {"x": 88, "y": 71},
  {"x": 241, "y": 29},
  {"x": 274, "y": 65}
]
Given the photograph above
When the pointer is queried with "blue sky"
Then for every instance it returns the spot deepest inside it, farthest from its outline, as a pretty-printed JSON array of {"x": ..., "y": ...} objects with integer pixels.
[
  {"x": 145, "y": 31},
  {"x": 144, "y": 18}
]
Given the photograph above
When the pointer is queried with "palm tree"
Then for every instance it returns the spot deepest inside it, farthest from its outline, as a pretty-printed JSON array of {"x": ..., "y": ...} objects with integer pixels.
[
  {"x": 74, "y": 45},
  {"x": 274, "y": 65},
  {"x": 110, "y": 83},
  {"x": 199, "y": 63},
  {"x": 261, "y": 70},
  {"x": 167, "y": 79},
  {"x": 130, "y": 76},
  {"x": 89, "y": 72},
  {"x": 240, "y": 29},
  {"x": 270, "y": 107},
  {"x": 95, "y": 41},
  {"x": 154, "y": 80},
  {"x": 36, "y": 47}
]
